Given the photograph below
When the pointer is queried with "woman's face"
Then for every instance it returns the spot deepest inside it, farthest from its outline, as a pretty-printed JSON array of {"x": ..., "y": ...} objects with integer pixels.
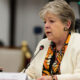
[{"x": 54, "y": 28}]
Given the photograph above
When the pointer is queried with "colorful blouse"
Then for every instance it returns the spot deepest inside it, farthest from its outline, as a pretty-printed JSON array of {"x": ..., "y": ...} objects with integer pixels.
[{"x": 53, "y": 58}]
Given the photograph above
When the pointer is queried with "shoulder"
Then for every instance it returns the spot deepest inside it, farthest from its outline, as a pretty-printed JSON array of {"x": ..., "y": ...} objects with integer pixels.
[
  {"x": 75, "y": 40},
  {"x": 75, "y": 37},
  {"x": 45, "y": 42}
]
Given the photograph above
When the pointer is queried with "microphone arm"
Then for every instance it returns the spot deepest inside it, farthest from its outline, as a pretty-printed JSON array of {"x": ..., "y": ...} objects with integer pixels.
[{"x": 41, "y": 48}]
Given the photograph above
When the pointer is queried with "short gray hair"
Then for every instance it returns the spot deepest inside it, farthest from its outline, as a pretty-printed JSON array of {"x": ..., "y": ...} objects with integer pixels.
[{"x": 62, "y": 9}]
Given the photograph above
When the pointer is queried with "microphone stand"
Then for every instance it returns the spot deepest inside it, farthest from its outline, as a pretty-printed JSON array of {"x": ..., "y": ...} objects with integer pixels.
[{"x": 41, "y": 48}]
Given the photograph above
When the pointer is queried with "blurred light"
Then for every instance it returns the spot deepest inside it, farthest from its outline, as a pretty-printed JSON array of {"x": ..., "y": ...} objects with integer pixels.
[{"x": 79, "y": 3}]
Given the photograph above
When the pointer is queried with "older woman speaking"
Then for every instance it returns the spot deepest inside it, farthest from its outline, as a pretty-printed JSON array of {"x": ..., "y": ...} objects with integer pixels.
[{"x": 60, "y": 58}]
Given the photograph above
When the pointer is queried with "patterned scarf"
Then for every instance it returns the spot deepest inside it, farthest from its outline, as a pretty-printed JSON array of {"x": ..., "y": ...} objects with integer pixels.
[{"x": 53, "y": 58}]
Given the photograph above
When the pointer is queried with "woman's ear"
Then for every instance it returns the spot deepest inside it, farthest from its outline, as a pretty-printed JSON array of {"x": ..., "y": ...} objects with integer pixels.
[{"x": 68, "y": 24}]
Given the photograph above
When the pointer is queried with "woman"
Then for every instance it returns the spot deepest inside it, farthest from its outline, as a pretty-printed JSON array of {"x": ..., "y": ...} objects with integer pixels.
[{"x": 59, "y": 60}]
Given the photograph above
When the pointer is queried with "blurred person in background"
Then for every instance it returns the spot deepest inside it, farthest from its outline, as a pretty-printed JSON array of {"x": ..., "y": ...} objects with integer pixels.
[{"x": 60, "y": 58}]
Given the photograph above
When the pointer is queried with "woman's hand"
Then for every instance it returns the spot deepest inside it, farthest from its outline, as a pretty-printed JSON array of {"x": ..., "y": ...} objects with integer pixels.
[{"x": 54, "y": 77}]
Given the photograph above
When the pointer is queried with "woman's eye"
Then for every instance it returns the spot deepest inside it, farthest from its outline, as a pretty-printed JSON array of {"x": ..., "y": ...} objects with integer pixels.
[
  {"x": 51, "y": 21},
  {"x": 44, "y": 22}
]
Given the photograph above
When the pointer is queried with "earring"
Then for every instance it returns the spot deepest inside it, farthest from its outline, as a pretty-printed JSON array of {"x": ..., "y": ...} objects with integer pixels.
[{"x": 66, "y": 29}]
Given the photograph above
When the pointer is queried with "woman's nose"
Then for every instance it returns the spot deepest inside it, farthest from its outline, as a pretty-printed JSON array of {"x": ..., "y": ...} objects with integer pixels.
[{"x": 46, "y": 25}]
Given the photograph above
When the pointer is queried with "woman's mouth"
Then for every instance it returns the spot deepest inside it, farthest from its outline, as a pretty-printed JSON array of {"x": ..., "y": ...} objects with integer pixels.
[{"x": 48, "y": 32}]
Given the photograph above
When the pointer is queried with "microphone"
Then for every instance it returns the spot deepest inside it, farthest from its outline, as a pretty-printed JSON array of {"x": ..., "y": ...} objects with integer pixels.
[{"x": 40, "y": 48}]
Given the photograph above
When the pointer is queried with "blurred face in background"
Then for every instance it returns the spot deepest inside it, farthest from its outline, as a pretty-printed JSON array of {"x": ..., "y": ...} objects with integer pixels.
[{"x": 54, "y": 28}]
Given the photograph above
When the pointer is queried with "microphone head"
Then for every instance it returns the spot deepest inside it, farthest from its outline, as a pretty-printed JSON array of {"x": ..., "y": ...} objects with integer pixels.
[{"x": 41, "y": 47}]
